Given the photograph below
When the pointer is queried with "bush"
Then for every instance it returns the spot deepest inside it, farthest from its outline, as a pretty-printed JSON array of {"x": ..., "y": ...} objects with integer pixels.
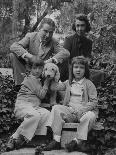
[{"x": 8, "y": 93}]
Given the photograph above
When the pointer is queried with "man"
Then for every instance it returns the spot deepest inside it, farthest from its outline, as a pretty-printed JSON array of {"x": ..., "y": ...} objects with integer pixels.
[{"x": 36, "y": 45}]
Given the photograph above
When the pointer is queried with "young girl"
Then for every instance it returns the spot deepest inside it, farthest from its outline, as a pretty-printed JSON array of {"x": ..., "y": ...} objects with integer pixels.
[
  {"x": 28, "y": 108},
  {"x": 79, "y": 104}
]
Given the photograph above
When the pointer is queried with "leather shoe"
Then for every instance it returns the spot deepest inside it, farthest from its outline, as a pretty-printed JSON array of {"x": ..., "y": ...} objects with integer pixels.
[
  {"x": 81, "y": 146},
  {"x": 15, "y": 143},
  {"x": 72, "y": 146},
  {"x": 11, "y": 144},
  {"x": 53, "y": 145}
]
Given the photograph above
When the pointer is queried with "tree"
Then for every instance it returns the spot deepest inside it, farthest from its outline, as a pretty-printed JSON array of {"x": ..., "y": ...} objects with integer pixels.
[{"x": 27, "y": 8}]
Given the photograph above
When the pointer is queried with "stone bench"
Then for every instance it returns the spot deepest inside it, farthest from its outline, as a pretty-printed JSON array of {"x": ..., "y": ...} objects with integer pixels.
[{"x": 69, "y": 132}]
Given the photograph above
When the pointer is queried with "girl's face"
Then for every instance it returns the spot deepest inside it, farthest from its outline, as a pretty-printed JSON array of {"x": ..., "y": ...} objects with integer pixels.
[
  {"x": 37, "y": 71},
  {"x": 78, "y": 71}
]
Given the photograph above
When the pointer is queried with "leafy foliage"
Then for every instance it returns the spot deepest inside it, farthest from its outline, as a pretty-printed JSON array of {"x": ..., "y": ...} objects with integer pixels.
[{"x": 8, "y": 93}]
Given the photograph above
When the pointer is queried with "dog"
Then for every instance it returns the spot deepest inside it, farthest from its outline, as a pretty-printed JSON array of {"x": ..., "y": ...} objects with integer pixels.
[{"x": 52, "y": 70}]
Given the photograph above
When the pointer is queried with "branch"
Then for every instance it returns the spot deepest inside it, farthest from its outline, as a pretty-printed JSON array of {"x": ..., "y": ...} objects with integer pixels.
[{"x": 40, "y": 18}]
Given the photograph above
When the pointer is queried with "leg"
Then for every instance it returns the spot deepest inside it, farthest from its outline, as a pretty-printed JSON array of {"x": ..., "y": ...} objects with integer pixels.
[
  {"x": 34, "y": 121},
  {"x": 85, "y": 125},
  {"x": 18, "y": 66},
  {"x": 56, "y": 121},
  {"x": 57, "y": 118}
]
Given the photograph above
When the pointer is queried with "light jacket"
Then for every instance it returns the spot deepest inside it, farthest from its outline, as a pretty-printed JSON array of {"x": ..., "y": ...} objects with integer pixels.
[
  {"x": 31, "y": 43},
  {"x": 89, "y": 99}
]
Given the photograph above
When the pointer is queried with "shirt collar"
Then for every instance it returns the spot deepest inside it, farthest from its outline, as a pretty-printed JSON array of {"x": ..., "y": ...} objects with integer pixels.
[{"x": 79, "y": 82}]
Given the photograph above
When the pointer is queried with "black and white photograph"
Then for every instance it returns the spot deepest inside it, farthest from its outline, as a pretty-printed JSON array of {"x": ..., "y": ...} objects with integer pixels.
[{"x": 57, "y": 77}]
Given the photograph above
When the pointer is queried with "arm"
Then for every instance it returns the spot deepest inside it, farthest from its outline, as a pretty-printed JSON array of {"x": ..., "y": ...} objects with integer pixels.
[
  {"x": 19, "y": 48},
  {"x": 92, "y": 98},
  {"x": 60, "y": 86},
  {"x": 92, "y": 103},
  {"x": 68, "y": 43},
  {"x": 41, "y": 91},
  {"x": 60, "y": 53},
  {"x": 89, "y": 50}
]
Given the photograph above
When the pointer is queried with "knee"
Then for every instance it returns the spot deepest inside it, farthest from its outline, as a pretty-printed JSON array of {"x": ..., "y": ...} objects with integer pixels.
[
  {"x": 47, "y": 114},
  {"x": 56, "y": 107},
  {"x": 90, "y": 115}
]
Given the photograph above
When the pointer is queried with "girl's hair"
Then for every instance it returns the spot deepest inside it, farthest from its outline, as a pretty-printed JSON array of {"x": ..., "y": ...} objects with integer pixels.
[
  {"x": 82, "y": 17},
  {"x": 79, "y": 60}
]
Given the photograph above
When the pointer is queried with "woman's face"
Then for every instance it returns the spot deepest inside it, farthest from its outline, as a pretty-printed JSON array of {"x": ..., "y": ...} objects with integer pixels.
[
  {"x": 37, "y": 71},
  {"x": 78, "y": 71},
  {"x": 80, "y": 27}
]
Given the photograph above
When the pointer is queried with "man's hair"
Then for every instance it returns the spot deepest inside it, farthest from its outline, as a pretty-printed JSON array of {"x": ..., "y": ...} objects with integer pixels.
[
  {"x": 48, "y": 21},
  {"x": 82, "y": 17},
  {"x": 80, "y": 60}
]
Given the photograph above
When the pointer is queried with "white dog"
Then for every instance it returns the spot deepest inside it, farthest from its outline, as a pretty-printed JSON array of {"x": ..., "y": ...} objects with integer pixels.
[{"x": 52, "y": 70}]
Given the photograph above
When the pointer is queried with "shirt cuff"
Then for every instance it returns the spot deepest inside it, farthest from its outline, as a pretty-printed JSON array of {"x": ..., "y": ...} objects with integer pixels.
[
  {"x": 55, "y": 60},
  {"x": 28, "y": 55}
]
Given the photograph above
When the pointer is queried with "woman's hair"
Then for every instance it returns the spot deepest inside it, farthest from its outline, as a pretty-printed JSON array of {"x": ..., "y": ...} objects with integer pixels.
[
  {"x": 82, "y": 17},
  {"x": 48, "y": 21},
  {"x": 79, "y": 60}
]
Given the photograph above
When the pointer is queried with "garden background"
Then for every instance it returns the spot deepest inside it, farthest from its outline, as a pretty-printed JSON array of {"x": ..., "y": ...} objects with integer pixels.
[{"x": 19, "y": 17}]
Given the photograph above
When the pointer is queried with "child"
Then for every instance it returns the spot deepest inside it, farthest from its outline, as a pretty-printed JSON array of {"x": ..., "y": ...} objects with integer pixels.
[
  {"x": 28, "y": 107},
  {"x": 79, "y": 104}
]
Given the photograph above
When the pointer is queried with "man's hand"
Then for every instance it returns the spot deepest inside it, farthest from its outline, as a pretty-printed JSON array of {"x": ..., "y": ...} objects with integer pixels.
[
  {"x": 51, "y": 60},
  {"x": 34, "y": 59}
]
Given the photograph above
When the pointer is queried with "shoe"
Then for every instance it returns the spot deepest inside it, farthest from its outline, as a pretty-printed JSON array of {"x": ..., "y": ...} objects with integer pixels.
[
  {"x": 20, "y": 141},
  {"x": 15, "y": 143},
  {"x": 72, "y": 146},
  {"x": 53, "y": 145},
  {"x": 11, "y": 144}
]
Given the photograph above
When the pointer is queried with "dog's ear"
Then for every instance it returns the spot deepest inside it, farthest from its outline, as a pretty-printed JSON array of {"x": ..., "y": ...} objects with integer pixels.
[
  {"x": 57, "y": 76},
  {"x": 43, "y": 73}
]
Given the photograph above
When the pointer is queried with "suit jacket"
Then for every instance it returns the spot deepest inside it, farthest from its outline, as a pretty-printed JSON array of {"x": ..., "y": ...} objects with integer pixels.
[
  {"x": 31, "y": 43},
  {"x": 78, "y": 46}
]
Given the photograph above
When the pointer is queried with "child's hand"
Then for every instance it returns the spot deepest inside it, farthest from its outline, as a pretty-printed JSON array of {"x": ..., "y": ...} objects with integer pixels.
[
  {"x": 53, "y": 86},
  {"x": 48, "y": 80}
]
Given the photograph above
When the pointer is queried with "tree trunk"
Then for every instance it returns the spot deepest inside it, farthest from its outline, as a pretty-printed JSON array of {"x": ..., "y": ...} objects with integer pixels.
[
  {"x": 39, "y": 19},
  {"x": 27, "y": 23},
  {"x": 14, "y": 19}
]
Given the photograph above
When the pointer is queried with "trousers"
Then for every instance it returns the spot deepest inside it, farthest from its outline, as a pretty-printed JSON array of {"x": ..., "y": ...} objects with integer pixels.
[
  {"x": 59, "y": 112},
  {"x": 34, "y": 121}
]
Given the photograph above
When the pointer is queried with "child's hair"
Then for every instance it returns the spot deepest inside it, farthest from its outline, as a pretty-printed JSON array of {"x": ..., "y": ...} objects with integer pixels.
[
  {"x": 38, "y": 63},
  {"x": 79, "y": 60}
]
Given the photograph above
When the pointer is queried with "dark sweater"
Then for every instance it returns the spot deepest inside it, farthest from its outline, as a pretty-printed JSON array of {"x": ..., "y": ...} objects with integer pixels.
[{"x": 78, "y": 46}]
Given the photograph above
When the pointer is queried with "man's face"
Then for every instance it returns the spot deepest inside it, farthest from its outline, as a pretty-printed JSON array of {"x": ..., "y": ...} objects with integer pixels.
[
  {"x": 80, "y": 27},
  {"x": 46, "y": 33}
]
